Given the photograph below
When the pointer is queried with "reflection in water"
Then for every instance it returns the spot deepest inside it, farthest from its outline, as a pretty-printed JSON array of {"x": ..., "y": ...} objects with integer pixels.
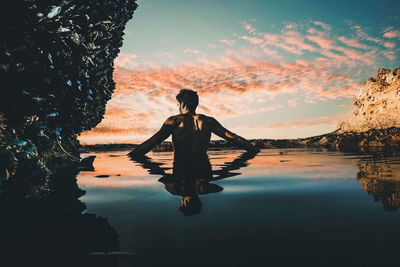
[
  {"x": 189, "y": 179},
  {"x": 287, "y": 208},
  {"x": 380, "y": 177},
  {"x": 54, "y": 230}
]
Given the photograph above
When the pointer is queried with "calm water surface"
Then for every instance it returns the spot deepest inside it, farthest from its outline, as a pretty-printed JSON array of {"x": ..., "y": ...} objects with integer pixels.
[{"x": 286, "y": 207}]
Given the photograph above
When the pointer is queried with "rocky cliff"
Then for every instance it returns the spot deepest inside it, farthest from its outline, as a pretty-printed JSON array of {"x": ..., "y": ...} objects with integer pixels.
[
  {"x": 377, "y": 104},
  {"x": 56, "y": 66}
]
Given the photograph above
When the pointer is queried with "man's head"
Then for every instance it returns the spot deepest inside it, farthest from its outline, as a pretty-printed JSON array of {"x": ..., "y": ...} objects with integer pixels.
[{"x": 187, "y": 99}]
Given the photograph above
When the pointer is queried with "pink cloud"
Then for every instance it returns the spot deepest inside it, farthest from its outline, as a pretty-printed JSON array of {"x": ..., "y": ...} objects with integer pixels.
[
  {"x": 290, "y": 41},
  {"x": 191, "y": 51},
  {"x": 321, "y": 41},
  {"x": 389, "y": 45},
  {"x": 352, "y": 42},
  {"x": 290, "y": 26},
  {"x": 362, "y": 35},
  {"x": 227, "y": 42},
  {"x": 248, "y": 27},
  {"x": 389, "y": 55},
  {"x": 353, "y": 54},
  {"x": 125, "y": 60},
  {"x": 324, "y": 26},
  {"x": 253, "y": 40},
  {"x": 295, "y": 39},
  {"x": 391, "y": 34}
]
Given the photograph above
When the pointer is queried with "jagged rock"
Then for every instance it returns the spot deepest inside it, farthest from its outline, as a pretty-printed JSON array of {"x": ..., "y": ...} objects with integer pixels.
[
  {"x": 377, "y": 103},
  {"x": 56, "y": 66},
  {"x": 86, "y": 164}
]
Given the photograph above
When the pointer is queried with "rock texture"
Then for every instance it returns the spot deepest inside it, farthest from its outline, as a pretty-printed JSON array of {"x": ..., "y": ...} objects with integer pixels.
[
  {"x": 56, "y": 65},
  {"x": 377, "y": 103}
]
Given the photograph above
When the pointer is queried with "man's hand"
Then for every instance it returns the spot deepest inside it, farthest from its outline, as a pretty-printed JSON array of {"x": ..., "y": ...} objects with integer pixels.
[
  {"x": 135, "y": 154},
  {"x": 156, "y": 139}
]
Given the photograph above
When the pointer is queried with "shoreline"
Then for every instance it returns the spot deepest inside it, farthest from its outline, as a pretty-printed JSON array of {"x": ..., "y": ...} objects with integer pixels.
[{"x": 372, "y": 140}]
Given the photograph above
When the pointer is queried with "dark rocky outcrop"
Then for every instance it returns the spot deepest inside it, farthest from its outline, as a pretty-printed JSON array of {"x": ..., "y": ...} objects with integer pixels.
[
  {"x": 56, "y": 65},
  {"x": 53, "y": 229}
]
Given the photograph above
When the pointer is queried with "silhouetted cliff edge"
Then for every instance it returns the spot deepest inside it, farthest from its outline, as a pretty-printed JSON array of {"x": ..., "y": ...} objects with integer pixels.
[{"x": 56, "y": 65}]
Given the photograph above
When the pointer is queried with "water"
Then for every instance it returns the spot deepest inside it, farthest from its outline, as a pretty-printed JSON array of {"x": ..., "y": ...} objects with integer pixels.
[{"x": 285, "y": 207}]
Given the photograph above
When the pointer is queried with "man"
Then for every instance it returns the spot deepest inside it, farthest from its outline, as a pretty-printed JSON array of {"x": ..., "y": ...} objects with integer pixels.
[
  {"x": 191, "y": 132},
  {"x": 191, "y": 135}
]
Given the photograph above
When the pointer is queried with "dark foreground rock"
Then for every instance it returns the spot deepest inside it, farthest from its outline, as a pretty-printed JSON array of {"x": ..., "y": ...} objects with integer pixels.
[
  {"x": 53, "y": 229},
  {"x": 56, "y": 65},
  {"x": 371, "y": 140}
]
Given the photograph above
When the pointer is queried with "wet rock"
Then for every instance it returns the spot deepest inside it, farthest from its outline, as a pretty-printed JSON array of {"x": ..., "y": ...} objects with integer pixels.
[
  {"x": 102, "y": 176},
  {"x": 57, "y": 63},
  {"x": 86, "y": 164},
  {"x": 52, "y": 229}
]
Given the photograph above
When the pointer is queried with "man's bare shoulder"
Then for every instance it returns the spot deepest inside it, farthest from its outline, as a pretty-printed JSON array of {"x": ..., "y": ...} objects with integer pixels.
[
  {"x": 206, "y": 118},
  {"x": 173, "y": 120}
]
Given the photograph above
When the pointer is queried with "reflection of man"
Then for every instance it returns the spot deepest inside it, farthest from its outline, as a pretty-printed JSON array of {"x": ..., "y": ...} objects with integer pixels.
[
  {"x": 191, "y": 132},
  {"x": 190, "y": 191}
]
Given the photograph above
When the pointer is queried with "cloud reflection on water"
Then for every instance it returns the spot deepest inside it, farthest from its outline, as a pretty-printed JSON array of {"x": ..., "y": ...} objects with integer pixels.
[{"x": 379, "y": 175}]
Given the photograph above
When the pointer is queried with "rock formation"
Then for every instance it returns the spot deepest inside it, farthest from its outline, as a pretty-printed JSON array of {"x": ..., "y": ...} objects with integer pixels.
[
  {"x": 56, "y": 66},
  {"x": 377, "y": 103}
]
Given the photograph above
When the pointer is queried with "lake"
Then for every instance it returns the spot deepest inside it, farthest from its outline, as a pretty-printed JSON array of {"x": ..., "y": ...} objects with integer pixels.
[{"x": 281, "y": 207}]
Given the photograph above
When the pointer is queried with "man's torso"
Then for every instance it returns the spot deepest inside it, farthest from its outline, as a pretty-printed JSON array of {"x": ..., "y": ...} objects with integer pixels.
[{"x": 191, "y": 136}]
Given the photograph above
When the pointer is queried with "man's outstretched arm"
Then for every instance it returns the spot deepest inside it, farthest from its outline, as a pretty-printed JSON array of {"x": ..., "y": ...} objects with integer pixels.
[
  {"x": 219, "y": 130},
  {"x": 156, "y": 139}
]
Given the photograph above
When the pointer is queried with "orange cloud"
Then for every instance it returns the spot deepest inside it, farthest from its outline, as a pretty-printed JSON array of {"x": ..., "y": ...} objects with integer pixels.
[
  {"x": 391, "y": 34},
  {"x": 352, "y": 42},
  {"x": 389, "y": 45}
]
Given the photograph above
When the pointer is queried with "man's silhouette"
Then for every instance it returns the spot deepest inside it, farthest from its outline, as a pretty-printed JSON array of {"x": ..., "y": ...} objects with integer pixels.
[
  {"x": 191, "y": 132},
  {"x": 191, "y": 135}
]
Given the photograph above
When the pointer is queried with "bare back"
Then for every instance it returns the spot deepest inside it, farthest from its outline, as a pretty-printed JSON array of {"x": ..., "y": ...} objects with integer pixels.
[{"x": 191, "y": 135}]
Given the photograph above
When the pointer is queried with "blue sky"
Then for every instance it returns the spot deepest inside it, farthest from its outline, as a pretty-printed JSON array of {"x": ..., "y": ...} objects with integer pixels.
[{"x": 273, "y": 69}]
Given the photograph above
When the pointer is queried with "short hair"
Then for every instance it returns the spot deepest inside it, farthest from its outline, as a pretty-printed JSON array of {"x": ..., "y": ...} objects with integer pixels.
[{"x": 189, "y": 98}]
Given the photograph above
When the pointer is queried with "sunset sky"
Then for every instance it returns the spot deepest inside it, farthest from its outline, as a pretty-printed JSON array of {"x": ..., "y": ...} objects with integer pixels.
[{"x": 264, "y": 69}]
